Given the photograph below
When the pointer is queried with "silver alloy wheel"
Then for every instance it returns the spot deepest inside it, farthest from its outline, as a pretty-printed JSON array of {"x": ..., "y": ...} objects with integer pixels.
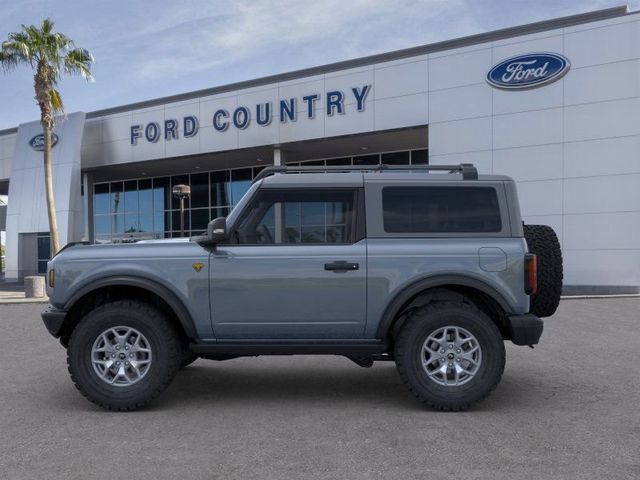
[
  {"x": 121, "y": 356},
  {"x": 451, "y": 356}
]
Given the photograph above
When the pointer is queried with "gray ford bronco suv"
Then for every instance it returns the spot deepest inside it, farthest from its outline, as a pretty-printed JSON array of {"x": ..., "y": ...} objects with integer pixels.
[{"x": 427, "y": 266}]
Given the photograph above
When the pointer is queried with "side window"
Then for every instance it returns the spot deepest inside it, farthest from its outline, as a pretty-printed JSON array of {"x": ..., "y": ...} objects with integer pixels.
[
  {"x": 298, "y": 217},
  {"x": 436, "y": 209}
]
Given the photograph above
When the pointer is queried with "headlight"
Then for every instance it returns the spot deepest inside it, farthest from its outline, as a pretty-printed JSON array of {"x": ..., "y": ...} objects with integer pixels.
[{"x": 52, "y": 277}]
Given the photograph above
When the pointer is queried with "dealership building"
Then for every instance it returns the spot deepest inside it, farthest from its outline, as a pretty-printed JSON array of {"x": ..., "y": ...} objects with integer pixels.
[{"x": 553, "y": 104}]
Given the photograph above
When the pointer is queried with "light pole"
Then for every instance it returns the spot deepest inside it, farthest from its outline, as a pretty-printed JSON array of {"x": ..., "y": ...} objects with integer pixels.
[{"x": 181, "y": 192}]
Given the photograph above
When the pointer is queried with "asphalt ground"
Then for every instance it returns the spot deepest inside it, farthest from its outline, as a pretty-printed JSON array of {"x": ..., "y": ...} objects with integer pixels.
[{"x": 568, "y": 409}]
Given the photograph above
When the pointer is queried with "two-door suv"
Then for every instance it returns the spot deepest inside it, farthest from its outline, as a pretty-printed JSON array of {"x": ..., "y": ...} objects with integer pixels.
[{"x": 427, "y": 266}]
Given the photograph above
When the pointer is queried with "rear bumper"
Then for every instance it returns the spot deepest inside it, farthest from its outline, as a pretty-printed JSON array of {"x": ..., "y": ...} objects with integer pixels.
[
  {"x": 525, "y": 329},
  {"x": 53, "y": 320}
]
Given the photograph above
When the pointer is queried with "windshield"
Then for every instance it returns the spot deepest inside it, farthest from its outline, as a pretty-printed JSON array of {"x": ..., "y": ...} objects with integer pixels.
[{"x": 233, "y": 215}]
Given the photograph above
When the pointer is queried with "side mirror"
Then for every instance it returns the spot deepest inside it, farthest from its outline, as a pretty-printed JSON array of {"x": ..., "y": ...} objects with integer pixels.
[{"x": 217, "y": 230}]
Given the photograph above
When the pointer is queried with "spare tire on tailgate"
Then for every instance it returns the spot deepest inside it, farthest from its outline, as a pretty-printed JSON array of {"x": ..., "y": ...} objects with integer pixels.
[{"x": 543, "y": 242}]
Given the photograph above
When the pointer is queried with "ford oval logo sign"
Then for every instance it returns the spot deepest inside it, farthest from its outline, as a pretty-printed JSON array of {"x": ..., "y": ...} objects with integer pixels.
[
  {"x": 528, "y": 71},
  {"x": 37, "y": 142}
]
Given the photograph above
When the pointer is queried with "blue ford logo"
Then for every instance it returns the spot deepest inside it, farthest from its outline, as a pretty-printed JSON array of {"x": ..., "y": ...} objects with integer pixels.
[
  {"x": 37, "y": 142},
  {"x": 528, "y": 71}
]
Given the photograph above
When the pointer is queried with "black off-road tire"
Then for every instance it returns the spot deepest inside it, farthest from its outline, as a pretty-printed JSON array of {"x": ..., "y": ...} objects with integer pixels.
[
  {"x": 543, "y": 242},
  {"x": 427, "y": 320},
  {"x": 150, "y": 322}
]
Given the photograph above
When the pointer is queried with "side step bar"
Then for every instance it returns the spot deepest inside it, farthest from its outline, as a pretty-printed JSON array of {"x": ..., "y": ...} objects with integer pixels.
[{"x": 284, "y": 347}]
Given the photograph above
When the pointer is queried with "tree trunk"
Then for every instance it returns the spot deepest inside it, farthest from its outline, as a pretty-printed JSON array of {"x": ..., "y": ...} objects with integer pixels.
[{"x": 48, "y": 180}]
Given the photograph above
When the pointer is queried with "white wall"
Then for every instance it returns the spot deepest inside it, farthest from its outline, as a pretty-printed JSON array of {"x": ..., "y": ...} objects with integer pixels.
[
  {"x": 7, "y": 145},
  {"x": 27, "y": 210},
  {"x": 573, "y": 145}
]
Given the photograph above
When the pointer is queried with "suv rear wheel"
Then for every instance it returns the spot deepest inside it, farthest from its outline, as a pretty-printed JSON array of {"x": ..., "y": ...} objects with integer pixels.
[
  {"x": 123, "y": 354},
  {"x": 450, "y": 355}
]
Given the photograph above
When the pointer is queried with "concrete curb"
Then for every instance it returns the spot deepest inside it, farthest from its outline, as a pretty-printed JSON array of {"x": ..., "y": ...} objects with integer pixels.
[
  {"x": 585, "y": 297},
  {"x": 18, "y": 300}
]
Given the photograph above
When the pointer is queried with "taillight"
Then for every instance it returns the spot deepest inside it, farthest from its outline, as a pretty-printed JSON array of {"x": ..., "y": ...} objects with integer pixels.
[{"x": 530, "y": 274}]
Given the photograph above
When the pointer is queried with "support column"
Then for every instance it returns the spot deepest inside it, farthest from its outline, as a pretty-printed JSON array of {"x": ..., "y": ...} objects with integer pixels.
[
  {"x": 87, "y": 186},
  {"x": 278, "y": 159},
  {"x": 278, "y": 156}
]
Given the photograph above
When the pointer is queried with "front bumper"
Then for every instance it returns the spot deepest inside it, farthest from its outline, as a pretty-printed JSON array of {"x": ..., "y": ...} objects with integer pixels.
[
  {"x": 525, "y": 329},
  {"x": 53, "y": 319}
]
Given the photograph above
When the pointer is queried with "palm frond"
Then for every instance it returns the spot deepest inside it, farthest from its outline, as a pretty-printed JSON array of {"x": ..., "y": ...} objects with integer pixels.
[
  {"x": 78, "y": 61},
  {"x": 47, "y": 26},
  {"x": 56, "y": 101}
]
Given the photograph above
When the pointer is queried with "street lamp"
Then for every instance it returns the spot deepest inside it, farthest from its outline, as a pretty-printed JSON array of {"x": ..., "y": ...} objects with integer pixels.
[{"x": 181, "y": 192}]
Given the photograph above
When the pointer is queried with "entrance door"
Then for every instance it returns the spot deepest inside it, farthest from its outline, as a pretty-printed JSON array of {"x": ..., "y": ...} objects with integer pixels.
[{"x": 296, "y": 269}]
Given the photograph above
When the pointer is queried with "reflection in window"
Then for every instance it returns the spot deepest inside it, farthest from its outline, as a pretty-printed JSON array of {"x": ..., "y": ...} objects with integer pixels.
[
  {"x": 306, "y": 217},
  {"x": 130, "y": 210},
  {"x": 240, "y": 183}
]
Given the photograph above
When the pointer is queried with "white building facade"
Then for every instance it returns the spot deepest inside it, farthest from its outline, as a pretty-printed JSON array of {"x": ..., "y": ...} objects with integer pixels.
[{"x": 570, "y": 137}]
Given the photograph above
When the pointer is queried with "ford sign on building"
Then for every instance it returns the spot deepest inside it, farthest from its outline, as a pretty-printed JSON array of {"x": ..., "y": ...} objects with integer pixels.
[
  {"x": 554, "y": 104},
  {"x": 528, "y": 71}
]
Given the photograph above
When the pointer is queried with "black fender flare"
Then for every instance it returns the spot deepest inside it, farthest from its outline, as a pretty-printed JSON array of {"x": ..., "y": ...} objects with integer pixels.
[
  {"x": 408, "y": 292},
  {"x": 178, "y": 307}
]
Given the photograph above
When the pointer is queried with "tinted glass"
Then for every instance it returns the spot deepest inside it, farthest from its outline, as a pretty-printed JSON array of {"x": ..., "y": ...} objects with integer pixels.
[
  {"x": 176, "y": 221},
  {"x": 440, "y": 210},
  {"x": 240, "y": 183},
  {"x": 199, "y": 190},
  {"x": 42, "y": 266},
  {"x": 199, "y": 219},
  {"x": 220, "y": 189},
  {"x": 367, "y": 160},
  {"x": 396, "y": 158},
  {"x": 102, "y": 224},
  {"x": 145, "y": 195},
  {"x": 161, "y": 194},
  {"x": 305, "y": 217},
  {"x": 339, "y": 161},
  {"x": 101, "y": 198},
  {"x": 131, "y": 196},
  {"x": 117, "y": 197},
  {"x": 44, "y": 248},
  {"x": 419, "y": 157}
]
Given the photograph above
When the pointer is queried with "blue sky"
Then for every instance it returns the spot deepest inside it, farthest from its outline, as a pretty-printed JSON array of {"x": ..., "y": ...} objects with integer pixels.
[{"x": 148, "y": 49}]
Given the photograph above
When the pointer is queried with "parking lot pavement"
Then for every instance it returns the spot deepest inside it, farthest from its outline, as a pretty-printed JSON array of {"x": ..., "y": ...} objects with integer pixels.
[{"x": 568, "y": 409}]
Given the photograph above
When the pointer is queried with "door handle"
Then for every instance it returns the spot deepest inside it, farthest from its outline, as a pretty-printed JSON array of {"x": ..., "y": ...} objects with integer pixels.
[{"x": 341, "y": 266}]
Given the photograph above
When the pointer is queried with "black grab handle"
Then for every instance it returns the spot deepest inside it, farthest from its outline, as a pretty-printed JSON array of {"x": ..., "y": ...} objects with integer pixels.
[{"x": 341, "y": 266}]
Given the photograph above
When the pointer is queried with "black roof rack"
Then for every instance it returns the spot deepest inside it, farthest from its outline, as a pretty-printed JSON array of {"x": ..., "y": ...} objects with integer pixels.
[{"x": 468, "y": 170}]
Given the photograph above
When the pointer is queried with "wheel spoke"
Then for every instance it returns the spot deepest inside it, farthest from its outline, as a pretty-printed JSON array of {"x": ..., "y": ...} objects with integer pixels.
[
  {"x": 459, "y": 348},
  {"x": 109, "y": 360}
]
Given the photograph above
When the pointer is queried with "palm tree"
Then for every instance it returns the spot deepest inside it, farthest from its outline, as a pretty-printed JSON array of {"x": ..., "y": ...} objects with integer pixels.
[{"x": 50, "y": 55}]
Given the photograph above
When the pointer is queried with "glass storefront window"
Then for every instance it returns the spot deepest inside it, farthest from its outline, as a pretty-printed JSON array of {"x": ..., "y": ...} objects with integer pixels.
[
  {"x": 419, "y": 157},
  {"x": 131, "y": 196},
  {"x": 44, "y": 250},
  {"x": 339, "y": 161},
  {"x": 220, "y": 189},
  {"x": 161, "y": 194},
  {"x": 199, "y": 219},
  {"x": 240, "y": 183},
  {"x": 395, "y": 158},
  {"x": 367, "y": 160},
  {"x": 130, "y": 210},
  {"x": 101, "y": 199},
  {"x": 199, "y": 190}
]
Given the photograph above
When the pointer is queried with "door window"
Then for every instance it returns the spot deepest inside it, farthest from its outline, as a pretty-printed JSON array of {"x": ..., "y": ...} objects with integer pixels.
[{"x": 299, "y": 217}]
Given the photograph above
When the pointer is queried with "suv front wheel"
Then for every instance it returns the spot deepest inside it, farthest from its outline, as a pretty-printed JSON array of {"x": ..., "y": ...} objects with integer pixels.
[
  {"x": 123, "y": 354},
  {"x": 450, "y": 355}
]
